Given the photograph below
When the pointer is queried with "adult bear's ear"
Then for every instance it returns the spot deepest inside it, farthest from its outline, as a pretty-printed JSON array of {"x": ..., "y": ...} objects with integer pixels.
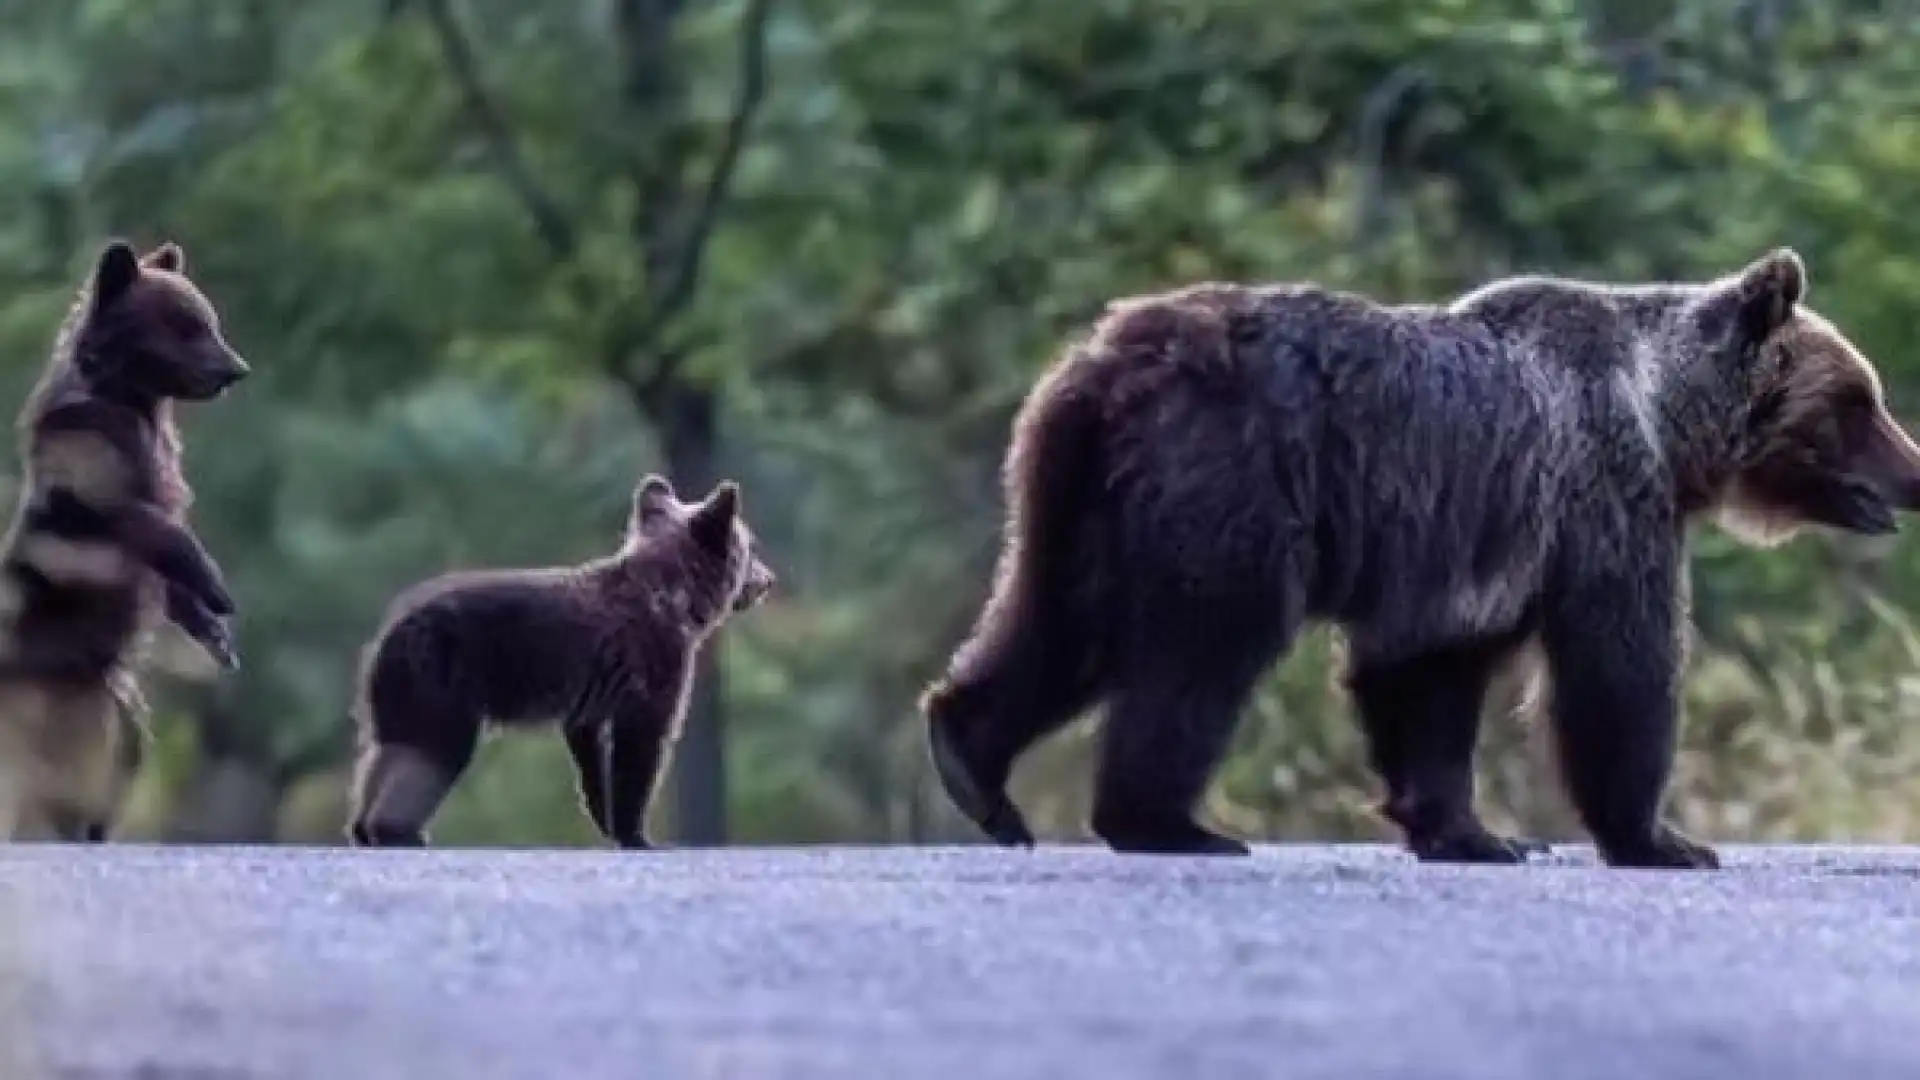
[
  {"x": 1762, "y": 296},
  {"x": 1770, "y": 287}
]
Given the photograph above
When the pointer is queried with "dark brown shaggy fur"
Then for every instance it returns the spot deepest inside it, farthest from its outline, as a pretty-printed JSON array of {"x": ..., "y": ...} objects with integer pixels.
[
  {"x": 98, "y": 548},
  {"x": 605, "y": 649},
  {"x": 1448, "y": 484}
]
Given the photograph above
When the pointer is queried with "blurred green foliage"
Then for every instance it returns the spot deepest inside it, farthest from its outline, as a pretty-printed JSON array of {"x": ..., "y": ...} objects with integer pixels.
[{"x": 466, "y": 247}]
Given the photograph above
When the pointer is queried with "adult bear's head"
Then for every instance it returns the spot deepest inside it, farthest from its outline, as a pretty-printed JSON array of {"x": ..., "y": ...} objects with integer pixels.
[{"x": 1816, "y": 444}]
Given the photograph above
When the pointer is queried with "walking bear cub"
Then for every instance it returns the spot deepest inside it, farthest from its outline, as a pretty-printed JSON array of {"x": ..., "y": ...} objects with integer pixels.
[
  {"x": 99, "y": 547},
  {"x": 605, "y": 649},
  {"x": 1449, "y": 484}
]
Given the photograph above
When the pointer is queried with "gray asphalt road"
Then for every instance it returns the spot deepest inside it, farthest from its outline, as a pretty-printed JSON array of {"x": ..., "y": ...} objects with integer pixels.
[{"x": 1061, "y": 964}]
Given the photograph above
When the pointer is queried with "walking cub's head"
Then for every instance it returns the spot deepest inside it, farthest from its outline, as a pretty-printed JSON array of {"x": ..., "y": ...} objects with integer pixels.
[
  {"x": 144, "y": 332},
  {"x": 1818, "y": 444},
  {"x": 711, "y": 536}
]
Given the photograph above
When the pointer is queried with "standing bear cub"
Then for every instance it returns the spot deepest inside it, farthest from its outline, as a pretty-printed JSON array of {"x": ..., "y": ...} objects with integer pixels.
[
  {"x": 99, "y": 550},
  {"x": 1449, "y": 484},
  {"x": 606, "y": 649}
]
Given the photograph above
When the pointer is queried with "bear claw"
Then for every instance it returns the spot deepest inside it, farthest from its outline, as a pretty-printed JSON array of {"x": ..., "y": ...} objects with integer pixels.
[
  {"x": 1182, "y": 837},
  {"x": 1668, "y": 849},
  {"x": 1478, "y": 845}
]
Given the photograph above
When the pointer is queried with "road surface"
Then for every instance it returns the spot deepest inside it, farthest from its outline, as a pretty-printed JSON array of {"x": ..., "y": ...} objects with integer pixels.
[{"x": 964, "y": 963}]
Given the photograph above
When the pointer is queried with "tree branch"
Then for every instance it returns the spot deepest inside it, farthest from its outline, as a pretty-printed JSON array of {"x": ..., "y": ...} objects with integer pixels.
[
  {"x": 1382, "y": 104},
  {"x": 751, "y": 90},
  {"x": 505, "y": 151}
]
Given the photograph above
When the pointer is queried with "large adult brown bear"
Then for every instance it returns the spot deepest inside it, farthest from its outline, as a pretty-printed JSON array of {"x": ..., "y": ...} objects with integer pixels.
[{"x": 1216, "y": 465}]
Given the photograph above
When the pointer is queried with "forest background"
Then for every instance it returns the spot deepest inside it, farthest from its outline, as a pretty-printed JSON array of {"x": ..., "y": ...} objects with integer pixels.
[{"x": 493, "y": 260}]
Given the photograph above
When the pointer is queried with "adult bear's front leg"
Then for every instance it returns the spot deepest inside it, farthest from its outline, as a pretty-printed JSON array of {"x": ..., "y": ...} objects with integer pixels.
[
  {"x": 1422, "y": 719},
  {"x": 1609, "y": 628}
]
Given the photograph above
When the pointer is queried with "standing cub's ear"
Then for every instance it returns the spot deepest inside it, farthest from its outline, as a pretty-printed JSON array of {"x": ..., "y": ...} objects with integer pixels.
[
  {"x": 168, "y": 257},
  {"x": 1768, "y": 289},
  {"x": 712, "y": 524},
  {"x": 115, "y": 273}
]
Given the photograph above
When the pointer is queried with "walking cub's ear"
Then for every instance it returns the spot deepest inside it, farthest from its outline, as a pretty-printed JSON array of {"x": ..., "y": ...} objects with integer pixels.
[
  {"x": 712, "y": 523},
  {"x": 168, "y": 257}
]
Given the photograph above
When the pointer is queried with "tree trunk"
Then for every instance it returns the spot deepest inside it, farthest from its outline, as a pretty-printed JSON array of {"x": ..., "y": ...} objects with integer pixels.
[
  {"x": 689, "y": 437},
  {"x": 231, "y": 801},
  {"x": 237, "y": 786}
]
